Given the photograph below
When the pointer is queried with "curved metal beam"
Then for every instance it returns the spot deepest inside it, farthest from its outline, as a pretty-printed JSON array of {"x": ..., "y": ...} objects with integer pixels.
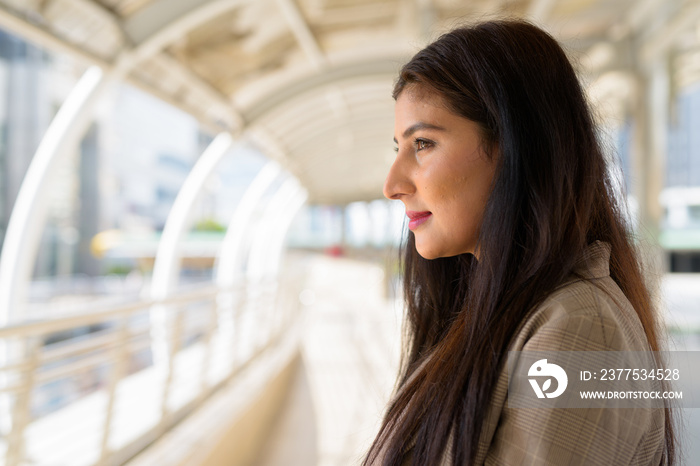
[
  {"x": 273, "y": 218},
  {"x": 166, "y": 269},
  {"x": 260, "y": 285},
  {"x": 274, "y": 257},
  {"x": 167, "y": 262},
  {"x": 29, "y": 213},
  {"x": 228, "y": 259},
  {"x": 274, "y": 254}
]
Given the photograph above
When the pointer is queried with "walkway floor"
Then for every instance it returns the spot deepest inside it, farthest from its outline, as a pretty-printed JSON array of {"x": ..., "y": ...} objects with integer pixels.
[{"x": 350, "y": 350}]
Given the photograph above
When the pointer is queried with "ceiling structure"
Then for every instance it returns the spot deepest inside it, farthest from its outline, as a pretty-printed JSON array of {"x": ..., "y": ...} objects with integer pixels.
[{"x": 310, "y": 80}]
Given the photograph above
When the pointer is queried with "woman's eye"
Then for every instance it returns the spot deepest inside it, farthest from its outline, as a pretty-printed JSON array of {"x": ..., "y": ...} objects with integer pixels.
[{"x": 421, "y": 144}]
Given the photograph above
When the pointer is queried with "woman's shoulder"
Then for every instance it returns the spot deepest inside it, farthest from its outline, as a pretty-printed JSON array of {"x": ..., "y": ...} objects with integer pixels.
[{"x": 588, "y": 312}]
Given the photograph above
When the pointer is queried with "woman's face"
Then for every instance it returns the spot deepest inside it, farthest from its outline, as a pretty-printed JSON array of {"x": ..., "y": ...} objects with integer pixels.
[{"x": 441, "y": 174}]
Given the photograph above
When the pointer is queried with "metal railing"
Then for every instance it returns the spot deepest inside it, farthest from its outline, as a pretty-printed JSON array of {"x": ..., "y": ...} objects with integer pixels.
[{"x": 83, "y": 387}]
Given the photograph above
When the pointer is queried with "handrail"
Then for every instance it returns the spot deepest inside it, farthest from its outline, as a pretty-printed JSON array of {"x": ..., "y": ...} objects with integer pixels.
[
  {"x": 111, "y": 311},
  {"x": 199, "y": 363}
]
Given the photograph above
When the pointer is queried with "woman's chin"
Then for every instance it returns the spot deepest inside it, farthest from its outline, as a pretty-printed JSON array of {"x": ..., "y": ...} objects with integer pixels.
[
  {"x": 428, "y": 257},
  {"x": 427, "y": 253}
]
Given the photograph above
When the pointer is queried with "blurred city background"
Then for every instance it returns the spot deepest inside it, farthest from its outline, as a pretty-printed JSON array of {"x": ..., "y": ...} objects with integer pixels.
[{"x": 198, "y": 266}]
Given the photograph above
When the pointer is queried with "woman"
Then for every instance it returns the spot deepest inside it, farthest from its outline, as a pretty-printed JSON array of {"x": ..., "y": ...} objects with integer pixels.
[{"x": 517, "y": 242}]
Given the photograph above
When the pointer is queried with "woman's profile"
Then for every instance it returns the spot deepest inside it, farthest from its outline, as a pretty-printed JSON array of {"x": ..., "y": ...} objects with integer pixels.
[{"x": 517, "y": 241}]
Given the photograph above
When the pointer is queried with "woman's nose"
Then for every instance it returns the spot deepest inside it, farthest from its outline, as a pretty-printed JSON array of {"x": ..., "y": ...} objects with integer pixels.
[{"x": 398, "y": 181}]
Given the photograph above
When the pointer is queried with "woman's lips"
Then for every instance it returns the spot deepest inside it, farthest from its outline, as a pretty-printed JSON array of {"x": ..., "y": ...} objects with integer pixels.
[{"x": 417, "y": 218}]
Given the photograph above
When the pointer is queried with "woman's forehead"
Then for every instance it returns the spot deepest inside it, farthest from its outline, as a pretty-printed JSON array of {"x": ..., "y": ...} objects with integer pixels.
[{"x": 417, "y": 92}]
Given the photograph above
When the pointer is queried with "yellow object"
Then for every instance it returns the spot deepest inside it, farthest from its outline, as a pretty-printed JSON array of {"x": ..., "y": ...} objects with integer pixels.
[{"x": 104, "y": 241}]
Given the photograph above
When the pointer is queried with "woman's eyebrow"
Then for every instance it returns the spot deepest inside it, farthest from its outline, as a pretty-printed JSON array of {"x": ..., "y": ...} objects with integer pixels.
[{"x": 420, "y": 125}]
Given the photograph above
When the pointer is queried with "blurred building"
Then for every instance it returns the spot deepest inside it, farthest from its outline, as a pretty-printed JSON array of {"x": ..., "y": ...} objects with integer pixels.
[
  {"x": 28, "y": 103},
  {"x": 681, "y": 198}
]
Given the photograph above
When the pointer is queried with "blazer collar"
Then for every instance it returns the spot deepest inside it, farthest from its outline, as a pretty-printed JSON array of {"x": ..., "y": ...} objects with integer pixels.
[{"x": 595, "y": 261}]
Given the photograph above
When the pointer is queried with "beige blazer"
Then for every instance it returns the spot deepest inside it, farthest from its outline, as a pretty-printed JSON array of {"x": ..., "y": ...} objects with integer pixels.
[{"x": 579, "y": 316}]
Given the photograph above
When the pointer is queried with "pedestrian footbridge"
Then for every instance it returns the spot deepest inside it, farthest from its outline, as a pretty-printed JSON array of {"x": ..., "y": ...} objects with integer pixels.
[
  {"x": 281, "y": 353},
  {"x": 242, "y": 373}
]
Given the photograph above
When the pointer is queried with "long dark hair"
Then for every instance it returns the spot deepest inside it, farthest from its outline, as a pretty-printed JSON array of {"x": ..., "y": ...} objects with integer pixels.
[{"x": 552, "y": 195}]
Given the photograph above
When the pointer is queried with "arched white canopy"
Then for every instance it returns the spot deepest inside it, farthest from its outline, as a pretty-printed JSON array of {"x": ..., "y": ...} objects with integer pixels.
[{"x": 239, "y": 64}]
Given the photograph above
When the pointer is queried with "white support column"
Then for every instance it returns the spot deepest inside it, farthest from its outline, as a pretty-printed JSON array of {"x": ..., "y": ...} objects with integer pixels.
[
  {"x": 166, "y": 269},
  {"x": 29, "y": 213},
  {"x": 274, "y": 217},
  {"x": 167, "y": 262},
  {"x": 259, "y": 286},
  {"x": 649, "y": 152},
  {"x": 658, "y": 97},
  {"x": 228, "y": 269},
  {"x": 271, "y": 318},
  {"x": 228, "y": 260},
  {"x": 274, "y": 256}
]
